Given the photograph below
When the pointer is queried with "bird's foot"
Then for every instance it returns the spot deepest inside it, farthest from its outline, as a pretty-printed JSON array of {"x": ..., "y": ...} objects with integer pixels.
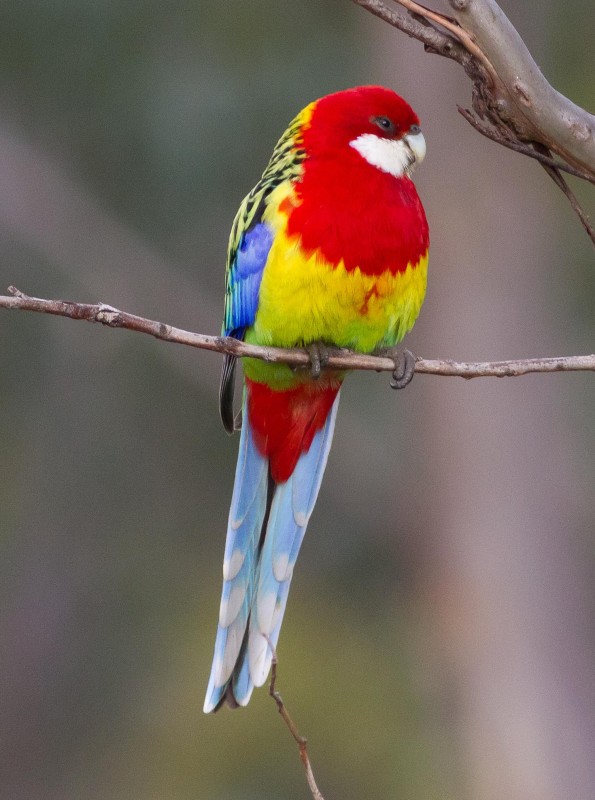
[
  {"x": 319, "y": 356},
  {"x": 404, "y": 362}
]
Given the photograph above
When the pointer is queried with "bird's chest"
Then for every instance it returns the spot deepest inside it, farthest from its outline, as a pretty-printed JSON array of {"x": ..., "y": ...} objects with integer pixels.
[
  {"x": 303, "y": 299},
  {"x": 320, "y": 293}
]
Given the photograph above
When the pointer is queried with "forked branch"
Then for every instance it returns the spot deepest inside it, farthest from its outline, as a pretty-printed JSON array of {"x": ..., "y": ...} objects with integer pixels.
[{"x": 513, "y": 103}]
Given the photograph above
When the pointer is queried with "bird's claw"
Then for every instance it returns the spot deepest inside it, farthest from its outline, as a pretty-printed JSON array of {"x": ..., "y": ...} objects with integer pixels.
[
  {"x": 404, "y": 362},
  {"x": 319, "y": 355}
]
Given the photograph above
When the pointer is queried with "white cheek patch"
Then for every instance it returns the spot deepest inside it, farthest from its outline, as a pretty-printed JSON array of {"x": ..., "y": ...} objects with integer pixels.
[{"x": 391, "y": 156}]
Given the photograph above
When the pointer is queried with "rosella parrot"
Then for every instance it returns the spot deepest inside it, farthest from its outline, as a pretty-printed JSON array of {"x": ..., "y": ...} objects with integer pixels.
[{"x": 329, "y": 248}]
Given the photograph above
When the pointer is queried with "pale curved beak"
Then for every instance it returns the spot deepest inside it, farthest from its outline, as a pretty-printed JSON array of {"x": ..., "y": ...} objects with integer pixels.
[{"x": 417, "y": 145}]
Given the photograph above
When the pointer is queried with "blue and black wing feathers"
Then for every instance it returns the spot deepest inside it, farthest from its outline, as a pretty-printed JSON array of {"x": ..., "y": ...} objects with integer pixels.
[{"x": 250, "y": 242}]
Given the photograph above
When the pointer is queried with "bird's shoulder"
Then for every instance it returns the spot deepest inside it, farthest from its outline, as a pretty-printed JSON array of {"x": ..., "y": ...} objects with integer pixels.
[
  {"x": 284, "y": 167},
  {"x": 250, "y": 240}
]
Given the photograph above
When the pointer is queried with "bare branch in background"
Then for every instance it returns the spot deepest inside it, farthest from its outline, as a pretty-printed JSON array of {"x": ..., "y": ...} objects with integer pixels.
[
  {"x": 338, "y": 358},
  {"x": 523, "y": 111}
]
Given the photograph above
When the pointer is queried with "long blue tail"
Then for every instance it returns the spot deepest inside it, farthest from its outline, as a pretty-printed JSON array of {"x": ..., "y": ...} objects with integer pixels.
[{"x": 267, "y": 522}]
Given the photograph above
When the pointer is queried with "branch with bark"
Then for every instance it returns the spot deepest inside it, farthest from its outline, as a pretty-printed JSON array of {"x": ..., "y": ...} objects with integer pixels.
[
  {"x": 513, "y": 104},
  {"x": 340, "y": 359},
  {"x": 301, "y": 741}
]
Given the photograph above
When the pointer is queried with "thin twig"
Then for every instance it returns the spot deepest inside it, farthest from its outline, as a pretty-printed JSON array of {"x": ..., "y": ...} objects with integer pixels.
[
  {"x": 521, "y": 147},
  {"x": 420, "y": 28},
  {"x": 451, "y": 25},
  {"x": 561, "y": 183},
  {"x": 537, "y": 151},
  {"x": 339, "y": 359},
  {"x": 302, "y": 742}
]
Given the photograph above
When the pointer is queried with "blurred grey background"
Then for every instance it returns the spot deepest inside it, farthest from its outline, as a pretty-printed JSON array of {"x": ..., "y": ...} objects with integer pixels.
[{"x": 440, "y": 637}]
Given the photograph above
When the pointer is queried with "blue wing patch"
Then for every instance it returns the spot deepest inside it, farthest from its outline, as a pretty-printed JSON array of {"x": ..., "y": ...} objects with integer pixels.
[
  {"x": 244, "y": 278},
  {"x": 247, "y": 257}
]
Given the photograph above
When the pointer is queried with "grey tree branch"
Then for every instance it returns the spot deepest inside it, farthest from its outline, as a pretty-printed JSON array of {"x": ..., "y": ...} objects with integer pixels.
[
  {"x": 509, "y": 90},
  {"x": 536, "y": 109},
  {"x": 338, "y": 359}
]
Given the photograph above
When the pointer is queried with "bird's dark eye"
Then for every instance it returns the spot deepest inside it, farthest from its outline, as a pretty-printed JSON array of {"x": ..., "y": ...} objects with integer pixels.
[{"x": 385, "y": 124}]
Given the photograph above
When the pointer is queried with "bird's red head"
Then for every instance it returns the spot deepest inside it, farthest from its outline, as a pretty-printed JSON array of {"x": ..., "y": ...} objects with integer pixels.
[
  {"x": 354, "y": 202},
  {"x": 373, "y": 121}
]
